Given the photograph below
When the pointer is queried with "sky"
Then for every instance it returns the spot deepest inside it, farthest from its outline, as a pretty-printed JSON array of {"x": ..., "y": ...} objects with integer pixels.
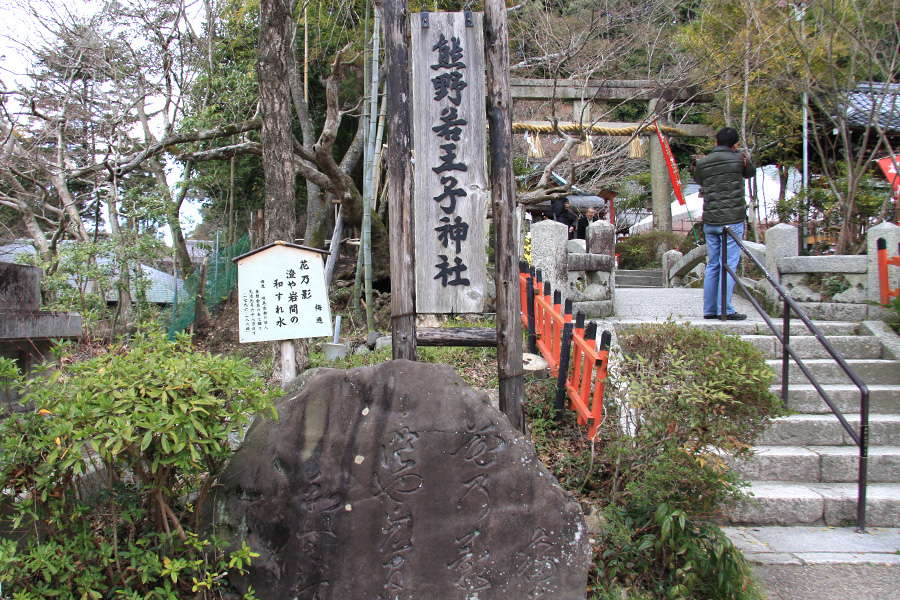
[{"x": 18, "y": 35}]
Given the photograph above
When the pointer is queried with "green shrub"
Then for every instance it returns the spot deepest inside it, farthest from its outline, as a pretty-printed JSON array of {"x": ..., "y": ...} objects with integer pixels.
[
  {"x": 103, "y": 481},
  {"x": 667, "y": 554},
  {"x": 645, "y": 250},
  {"x": 689, "y": 396},
  {"x": 678, "y": 399}
]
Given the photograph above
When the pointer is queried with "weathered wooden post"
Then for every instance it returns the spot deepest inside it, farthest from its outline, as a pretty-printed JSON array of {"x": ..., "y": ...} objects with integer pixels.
[
  {"x": 403, "y": 301},
  {"x": 503, "y": 197}
]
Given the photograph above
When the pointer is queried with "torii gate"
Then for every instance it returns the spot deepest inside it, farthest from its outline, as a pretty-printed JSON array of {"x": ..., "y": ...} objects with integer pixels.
[{"x": 581, "y": 94}]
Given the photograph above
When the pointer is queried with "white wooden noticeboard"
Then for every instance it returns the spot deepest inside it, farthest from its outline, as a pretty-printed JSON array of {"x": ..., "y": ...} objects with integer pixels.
[
  {"x": 451, "y": 189},
  {"x": 282, "y": 294}
]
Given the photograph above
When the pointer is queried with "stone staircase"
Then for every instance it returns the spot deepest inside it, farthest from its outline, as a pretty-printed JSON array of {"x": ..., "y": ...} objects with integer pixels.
[
  {"x": 805, "y": 469},
  {"x": 643, "y": 278}
]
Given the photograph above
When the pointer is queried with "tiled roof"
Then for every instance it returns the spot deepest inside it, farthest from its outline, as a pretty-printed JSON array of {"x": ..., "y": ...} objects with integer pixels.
[
  {"x": 160, "y": 291},
  {"x": 870, "y": 103}
]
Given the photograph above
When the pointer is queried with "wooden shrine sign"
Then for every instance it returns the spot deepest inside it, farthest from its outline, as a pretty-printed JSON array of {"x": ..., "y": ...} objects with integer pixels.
[
  {"x": 451, "y": 189},
  {"x": 282, "y": 294}
]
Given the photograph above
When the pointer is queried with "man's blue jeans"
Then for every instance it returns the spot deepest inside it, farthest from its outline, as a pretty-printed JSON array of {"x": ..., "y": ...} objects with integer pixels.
[{"x": 712, "y": 290}]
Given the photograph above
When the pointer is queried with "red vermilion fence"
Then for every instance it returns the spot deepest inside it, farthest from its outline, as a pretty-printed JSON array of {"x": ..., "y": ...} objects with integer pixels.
[
  {"x": 549, "y": 323},
  {"x": 883, "y": 261},
  {"x": 569, "y": 349},
  {"x": 588, "y": 370}
]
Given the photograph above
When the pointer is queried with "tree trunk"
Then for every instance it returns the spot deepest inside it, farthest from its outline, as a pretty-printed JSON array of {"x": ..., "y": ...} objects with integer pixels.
[
  {"x": 123, "y": 281},
  {"x": 173, "y": 215},
  {"x": 34, "y": 229},
  {"x": 276, "y": 35},
  {"x": 275, "y": 52},
  {"x": 318, "y": 211},
  {"x": 201, "y": 315},
  {"x": 69, "y": 206}
]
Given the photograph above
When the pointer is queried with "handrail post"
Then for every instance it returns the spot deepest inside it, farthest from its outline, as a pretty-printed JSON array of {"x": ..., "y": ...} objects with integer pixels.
[
  {"x": 861, "y": 437},
  {"x": 862, "y": 480},
  {"x": 785, "y": 354},
  {"x": 723, "y": 273},
  {"x": 579, "y": 324}
]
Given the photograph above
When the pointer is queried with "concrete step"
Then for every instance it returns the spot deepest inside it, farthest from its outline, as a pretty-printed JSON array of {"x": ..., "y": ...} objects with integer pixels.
[
  {"x": 798, "y": 328},
  {"x": 643, "y": 278},
  {"x": 802, "y": 546},
  {"x": 819, "y": 464},
  {"x": 833, "y": 504},
  {"x": 827, "y": 371},
  {"x": 883, "y": 399},
  {"x": 638, "y": 282},
  {"x": 826, "y": 430},
  {"x": 808, "y": 346},
  {"x": 754, "y": 325}
]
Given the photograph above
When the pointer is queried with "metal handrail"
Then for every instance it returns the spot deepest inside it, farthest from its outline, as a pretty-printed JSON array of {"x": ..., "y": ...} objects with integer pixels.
[{"x": 861, "y": 439}]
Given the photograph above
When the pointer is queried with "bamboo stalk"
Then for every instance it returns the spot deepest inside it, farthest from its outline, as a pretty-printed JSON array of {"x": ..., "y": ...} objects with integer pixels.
[{"x": 369, "y": 193}]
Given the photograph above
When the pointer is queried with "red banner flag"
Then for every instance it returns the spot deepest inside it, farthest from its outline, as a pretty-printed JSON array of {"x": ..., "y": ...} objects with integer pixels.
[
  {"x": 670, "y": 163},
  {"x": 890, "y": 172}
]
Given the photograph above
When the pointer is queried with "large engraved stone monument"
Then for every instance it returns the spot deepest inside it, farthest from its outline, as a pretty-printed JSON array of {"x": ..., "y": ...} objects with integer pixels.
[{"x": 397, "y": 482}]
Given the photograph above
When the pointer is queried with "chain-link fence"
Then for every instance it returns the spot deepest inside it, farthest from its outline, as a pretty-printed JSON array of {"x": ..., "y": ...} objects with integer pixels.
[{"x": 221, "y": 278}]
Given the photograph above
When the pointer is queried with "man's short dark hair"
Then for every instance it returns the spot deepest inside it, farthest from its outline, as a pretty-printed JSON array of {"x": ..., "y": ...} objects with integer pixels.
[{"x": 727, "y": 136}]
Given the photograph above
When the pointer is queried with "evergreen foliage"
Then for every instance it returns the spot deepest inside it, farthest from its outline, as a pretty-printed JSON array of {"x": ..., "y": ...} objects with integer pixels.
[
  {"x": 104, "y": 477},
  {"x": 678, "y": 401}
]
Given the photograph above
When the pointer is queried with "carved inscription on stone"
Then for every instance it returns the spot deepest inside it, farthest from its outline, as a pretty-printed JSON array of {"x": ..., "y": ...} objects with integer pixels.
[
  {"x": 480, "y": 450},
  {"x": 317, "y": 506},
  {"x": 397, "y": 482},
  {"x": 396, "y": 479}
]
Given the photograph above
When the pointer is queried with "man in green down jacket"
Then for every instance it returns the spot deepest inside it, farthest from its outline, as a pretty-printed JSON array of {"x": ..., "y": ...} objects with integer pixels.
[{"x": 721, "y": 177}]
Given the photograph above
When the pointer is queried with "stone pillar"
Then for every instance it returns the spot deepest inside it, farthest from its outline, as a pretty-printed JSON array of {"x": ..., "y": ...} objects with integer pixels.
[
  {"x": 891, "y": 235},
  {"x": 669, "y": 260},
  {"x": 781, "y": 242},
  {"x": 660, "y": 184},
  {"x": 549, "y": 244},
  {"x": 601, "y": 238},
  {"x": 581, "y": 112}
]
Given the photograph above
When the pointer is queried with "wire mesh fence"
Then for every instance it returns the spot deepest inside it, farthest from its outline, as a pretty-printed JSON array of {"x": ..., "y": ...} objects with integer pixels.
[{"x": 221, "y": 279}]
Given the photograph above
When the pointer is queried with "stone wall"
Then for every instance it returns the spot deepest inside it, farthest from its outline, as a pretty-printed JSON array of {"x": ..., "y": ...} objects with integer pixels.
[{"x": 808, "y": 278}]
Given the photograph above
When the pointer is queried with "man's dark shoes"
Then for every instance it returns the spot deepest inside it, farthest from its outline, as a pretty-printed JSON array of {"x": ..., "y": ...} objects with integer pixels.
[
  {"x": 732, "y": 317},
  {"x": 710, "y": 316}
]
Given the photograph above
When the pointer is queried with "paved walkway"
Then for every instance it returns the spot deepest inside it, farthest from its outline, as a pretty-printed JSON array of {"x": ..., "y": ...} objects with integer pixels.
[
  {"x": 681, "y": 304},
  {"x": 823, "y": 563},
  {"x": 792, "y": 563}
]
